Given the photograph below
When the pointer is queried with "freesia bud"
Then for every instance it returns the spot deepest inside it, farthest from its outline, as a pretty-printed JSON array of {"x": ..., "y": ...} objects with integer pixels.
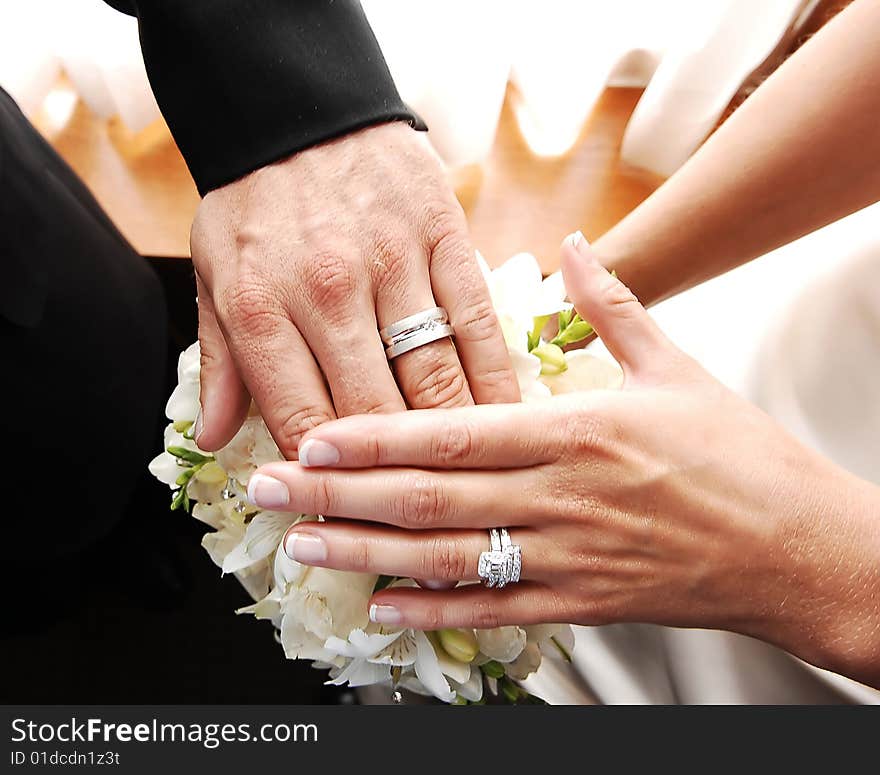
[
  {"x": 461, "y": 645},
  {"x": 552, "y": 359}
]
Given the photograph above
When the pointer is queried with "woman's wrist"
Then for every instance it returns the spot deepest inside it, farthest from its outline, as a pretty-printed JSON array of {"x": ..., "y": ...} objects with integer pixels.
[{"x": 826, "y": 608}]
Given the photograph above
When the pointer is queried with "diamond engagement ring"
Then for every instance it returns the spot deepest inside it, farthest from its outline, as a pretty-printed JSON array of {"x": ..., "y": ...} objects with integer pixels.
[
  {"x": 502, "y": 564},
  {"x": 415, "y": 330}
]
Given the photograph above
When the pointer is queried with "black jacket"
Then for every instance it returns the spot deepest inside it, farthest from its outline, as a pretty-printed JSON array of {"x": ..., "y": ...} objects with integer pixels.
[{"x": 243, "y": 83}]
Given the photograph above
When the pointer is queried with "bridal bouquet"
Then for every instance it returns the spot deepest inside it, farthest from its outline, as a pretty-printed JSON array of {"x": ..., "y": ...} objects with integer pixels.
[{"x": 322, "y": 614}]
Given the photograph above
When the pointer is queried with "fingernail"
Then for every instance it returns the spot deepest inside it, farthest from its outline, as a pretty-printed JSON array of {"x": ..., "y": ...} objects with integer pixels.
[
  {"x": 266, "y": 492},
  {"x": 305, "y": 548},
  {"x": 314, "y": 453},
  {"x": 436, "y": 584},
  {"x": 385, "y": 614},
  {"x": 198, "y": 426},
  {"x": 579, "y": 242}
]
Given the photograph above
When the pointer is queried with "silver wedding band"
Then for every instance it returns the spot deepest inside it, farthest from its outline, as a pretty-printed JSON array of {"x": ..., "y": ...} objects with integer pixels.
[
  {"x": 415, "y": 331},
  {"x": 502, "y": 564}
]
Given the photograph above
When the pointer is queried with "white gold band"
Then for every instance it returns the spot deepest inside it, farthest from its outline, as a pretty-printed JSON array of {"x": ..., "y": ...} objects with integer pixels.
[
  {"x": 415, "y": 331},
  {"x": 412, "y": 322}
]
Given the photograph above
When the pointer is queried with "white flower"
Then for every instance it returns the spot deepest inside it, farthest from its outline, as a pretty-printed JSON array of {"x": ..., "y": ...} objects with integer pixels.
[
  {"x": 519, "y": 295},
  {"x": 165, "y": 466},
  {"x": 313, "y": 604},
  {"x": 183, "y": 405},
  {"x": 526, "y": 663},
  {"x": 527, "y": 368},
  {"x": 250, "y": 448},
  {"x": 261, "y": 539},
  {"x": 584, "y": 372},
  {"x": 556, "y": 640},
  {"x": 503, "y": 644}
]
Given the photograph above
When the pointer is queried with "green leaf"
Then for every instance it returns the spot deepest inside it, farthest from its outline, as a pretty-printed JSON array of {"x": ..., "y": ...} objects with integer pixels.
[
  {"x": 509, "y": 689},
  {"x": 188, "y": 455},
  {"x": 532, "y": 341},
  {"x": 185, "y": 476},
  {"x": 493, "y": 669},
  {"x": 538, "y": 324},
  {"x": 564, "y": 318},
  {"x": 577, "y": 331}
]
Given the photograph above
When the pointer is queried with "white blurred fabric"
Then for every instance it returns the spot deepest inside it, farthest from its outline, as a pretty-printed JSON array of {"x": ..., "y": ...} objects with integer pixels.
[
  {"x": 452, "y": 61},
  {"x": 94, "y": 45}
]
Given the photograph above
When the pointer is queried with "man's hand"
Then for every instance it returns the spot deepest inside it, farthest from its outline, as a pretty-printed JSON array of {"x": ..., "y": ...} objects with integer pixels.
[{"x": 301, "y": 262}]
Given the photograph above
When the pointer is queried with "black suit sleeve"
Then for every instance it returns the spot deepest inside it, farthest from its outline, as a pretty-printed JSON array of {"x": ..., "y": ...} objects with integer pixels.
[{"x": 243, "y": 83}]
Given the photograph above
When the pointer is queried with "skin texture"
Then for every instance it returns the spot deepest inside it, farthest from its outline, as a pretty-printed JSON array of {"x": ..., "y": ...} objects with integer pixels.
[
  {"x": 301, "y": 262},
  {"x": 802, "y": 151},
  {"x": 671, "y": 501}
]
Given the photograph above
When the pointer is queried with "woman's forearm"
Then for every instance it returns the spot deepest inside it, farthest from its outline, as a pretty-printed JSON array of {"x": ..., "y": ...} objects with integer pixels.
[
  {"x": 830, "y": 614},
  {"x": 801, "y": 152}
]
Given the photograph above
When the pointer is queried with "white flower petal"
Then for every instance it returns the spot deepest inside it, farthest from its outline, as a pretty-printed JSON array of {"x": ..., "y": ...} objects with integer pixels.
[
  {"x": 359, "y": 672},
  {"x": 183, "y": 404},
  {"x": 188, "y": 364},
  {"x": 526, "y": 663},
  {"x": 361, "y": 645},
  {"x": 458, "y": 671},
  {"x": 584, "y": 372},
  {"x": 402, "y": 652},
  {"x": 527, "y": 368},
  {"x": 262, "y": 537},
  {"x": 551, "y": 299},
  {"x": 503, "y": 644},
  {"x": 164, "y": 467},
  {"x": 428, "y": 669},
  {"x": 515, "y": 285},
  {"x": 472, "y": 689}
]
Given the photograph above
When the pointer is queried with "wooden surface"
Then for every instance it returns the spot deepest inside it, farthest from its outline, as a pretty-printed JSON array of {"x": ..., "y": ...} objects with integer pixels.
[{"x": 514, "y": 201}]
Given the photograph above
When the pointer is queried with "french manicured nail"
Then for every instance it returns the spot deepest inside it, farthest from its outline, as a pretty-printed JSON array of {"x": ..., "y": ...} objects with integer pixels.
[
  {"x": 267, "y": 492},
  {"x": 305, "y": 548},
  {"x": 385, "y": 614},
  {"x": 314, "y": 453},
  {"x": 199, "y": 425},
  {"x": 579, "y": 242}
]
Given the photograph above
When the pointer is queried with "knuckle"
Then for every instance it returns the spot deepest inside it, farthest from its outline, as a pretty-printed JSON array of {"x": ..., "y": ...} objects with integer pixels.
[
  {"x": 296, "y": 423},
  {"x": 485, "y": 614},
  {"x": 329, "y": 282},
  {"x": 446, "y": 231},
  {"x": 443, "y": 559},
  {"x": 323, "y": 496},
  {"x": 433, "y": 618},
  {"x": 585, "y": 432},
  {"x": 454, "y": 444},
  {"x": 616, "y": 295},
  {"x": 444, "y": 385},
  {"x": 390, "y": 261},
  {"x": 249, "y": 306},
  {"x": 478, "y": 322},
  {"x": 501, "y": 381},
  {"x": 424, "y": 504},
  {"x": 360, "y": 557}
]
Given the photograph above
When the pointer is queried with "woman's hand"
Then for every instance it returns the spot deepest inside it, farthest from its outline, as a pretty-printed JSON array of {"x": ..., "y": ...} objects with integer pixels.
[{"x": 670, "y": 501}]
